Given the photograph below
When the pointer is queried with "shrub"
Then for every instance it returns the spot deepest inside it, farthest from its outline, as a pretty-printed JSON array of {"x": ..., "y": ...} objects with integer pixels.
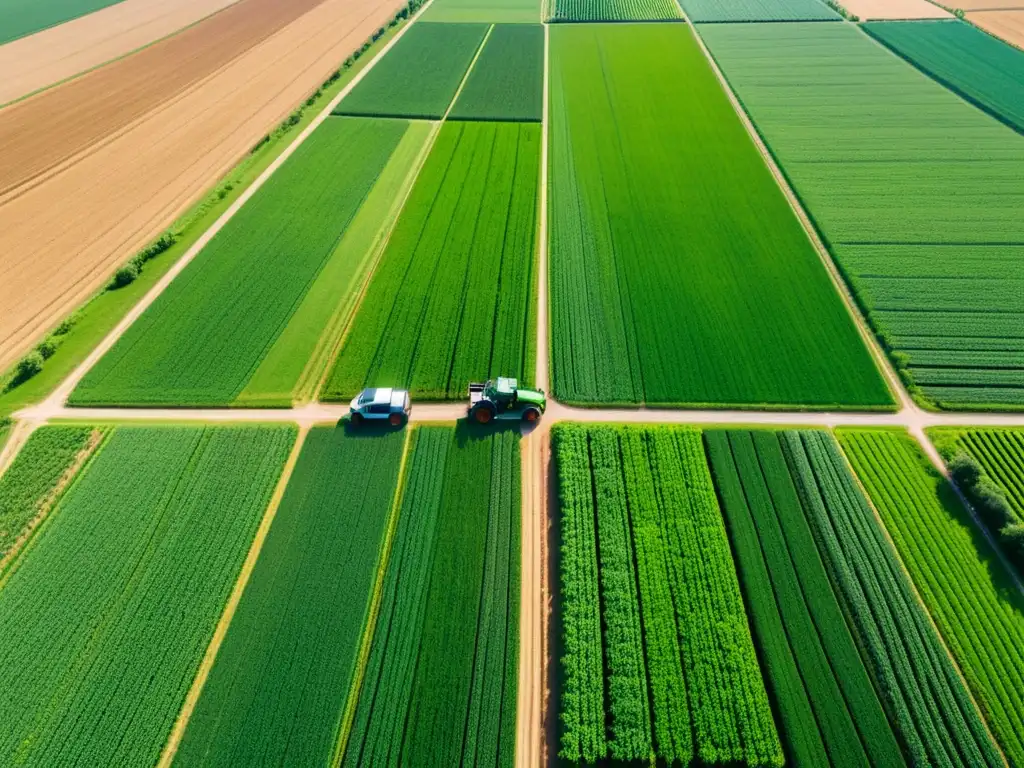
[
  {"x": 964, "y": 470},
  {"x": 26, "y": 368},
  {"x": 125, "y": 275},
  {"x": 46, "y": 348}
]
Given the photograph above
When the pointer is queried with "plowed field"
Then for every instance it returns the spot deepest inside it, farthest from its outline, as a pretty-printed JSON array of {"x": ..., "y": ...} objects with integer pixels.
[{"x": 56, "y": 54}]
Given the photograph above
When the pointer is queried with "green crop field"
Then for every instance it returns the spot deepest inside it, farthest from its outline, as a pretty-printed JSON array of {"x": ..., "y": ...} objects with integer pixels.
[
  {"x": 418, "y": 77},
  {"x": 679, "y": 273},
  {"x": 19, "y": 18},
  {"x": 981, "y": 68},
  {"x": 507, "y": 81},
  {"x": 451, "y": 300},
  {"x": 123, "y": 586},
  {"x": 612, "y": 10},
  {"x": 441, "y": 680},
  {"x": 758, "y": 10},
  {"x": 279, "y": 686},
  {"x": 972, "y": 597},
  {"x": 829, "y": 710},
  {"x": 657, "y": 655},
  {"x": 917, "y": 193},
  {"x": 484, "y": 11},
  {"x": 41, "y": 471},
  {"x": 209, "y": 332}
]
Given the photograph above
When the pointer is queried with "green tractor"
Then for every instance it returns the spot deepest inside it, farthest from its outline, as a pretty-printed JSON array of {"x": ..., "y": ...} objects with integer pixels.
[{"x": 503, "y": 398}]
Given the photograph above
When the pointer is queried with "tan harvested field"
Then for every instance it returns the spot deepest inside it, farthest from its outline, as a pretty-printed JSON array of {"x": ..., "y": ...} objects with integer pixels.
[
  {"x": 1008, "y": 25},
  {"x": 61, "y": 239},
  {"x": 895, "y": 9},
  {"x": 988, "y": 5},
  {"x": 56, "y": 54},
  {"x": 46, "y": 130}
]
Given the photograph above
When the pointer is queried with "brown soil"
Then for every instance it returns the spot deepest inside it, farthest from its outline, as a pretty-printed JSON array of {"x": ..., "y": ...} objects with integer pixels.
[
  {"x": 46, "y": 130},
  {"x": 32, "y": 63},
  {"x": 61, "y": 238},
  {"x": 1008, "y": 25},
  {"x": 895, "y": 9}
]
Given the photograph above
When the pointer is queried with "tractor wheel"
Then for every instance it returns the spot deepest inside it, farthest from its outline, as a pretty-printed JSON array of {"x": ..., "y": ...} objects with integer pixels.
[
  {"x": 396, "y": 419},
  {"x": 357, "y": 419},
  {"x": 483, "y": 414},
  {"x": 531, "y": 415}
]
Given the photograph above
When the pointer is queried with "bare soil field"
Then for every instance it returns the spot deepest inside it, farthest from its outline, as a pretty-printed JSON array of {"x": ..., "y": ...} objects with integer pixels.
[
  {"x": 54, "y": 55},
  {"x": 1007, "y": 25},
  {"x": 48, "y": 129},
  {"x": 61, "y": 238},
  {"x": 989, "y": 5},
  {"x": 895, "y": 9}
]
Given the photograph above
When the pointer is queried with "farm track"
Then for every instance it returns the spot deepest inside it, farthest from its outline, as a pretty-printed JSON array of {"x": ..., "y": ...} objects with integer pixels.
[
  {"x": 142, "y": 179},
  {"x": 53, "y": 56}
]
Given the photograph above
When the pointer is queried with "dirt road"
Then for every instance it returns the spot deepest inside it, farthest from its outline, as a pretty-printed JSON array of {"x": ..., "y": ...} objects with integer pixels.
[
  {"x": 54, "y": 55},
  {"x": 60, "y": 240}
]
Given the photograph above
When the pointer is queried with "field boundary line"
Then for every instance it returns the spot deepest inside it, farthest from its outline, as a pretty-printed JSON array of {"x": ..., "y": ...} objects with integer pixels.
[
  {"x": 221, "y": 630},
  {"x": 882, "y": 363},
  {"x": 469, "y": 71},
  {"x": 60, "y": 395},
  {"x": 917, "y": 595},
  {"x": 542, "y": 363},
  {"x": 373, "y": 611}
]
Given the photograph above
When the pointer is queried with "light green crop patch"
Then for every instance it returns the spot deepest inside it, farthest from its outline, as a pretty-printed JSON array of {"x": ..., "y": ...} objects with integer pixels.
[
  {"x": 293, "y": 366},
  {"x": 500, "y": 12}
]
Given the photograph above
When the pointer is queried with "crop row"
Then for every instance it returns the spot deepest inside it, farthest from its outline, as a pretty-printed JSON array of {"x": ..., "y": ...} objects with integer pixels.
[
  {"x": 612, "y": 10},
  {"x": 651, "y": 306},
  {"x": 417, "y": 78},
  {"x": 204, "y": 337},
  {"x": 450, "y": 301},
  {"x": 507, "y": 80},
  {"x": 31, "y": 486},
  {"x": 441, "y": 680},
  {"x": 829, "y": 710},
  {"x": 923, "y": 692},
  {"x": 971, "y": 596},
  {"x": 281, "y": 680},
  {"x": 123, "y": 586},
  {"x": 914, "y": 190},
  {"x": 493, "y": 12},
  {"x": 757, "y": 10},
  {"x": 658, "y": 659}
]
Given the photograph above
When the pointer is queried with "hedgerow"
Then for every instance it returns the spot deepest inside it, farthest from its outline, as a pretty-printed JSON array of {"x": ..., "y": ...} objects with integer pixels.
[
  {"x": 123, "y": 587},
  {"x": 647, "y": 578}
]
